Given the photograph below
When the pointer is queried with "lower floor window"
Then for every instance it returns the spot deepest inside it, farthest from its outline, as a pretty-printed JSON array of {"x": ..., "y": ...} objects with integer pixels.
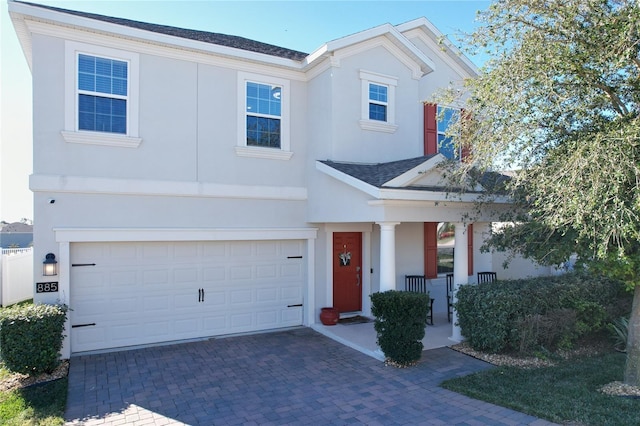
[{"x": 446, "y": 243}]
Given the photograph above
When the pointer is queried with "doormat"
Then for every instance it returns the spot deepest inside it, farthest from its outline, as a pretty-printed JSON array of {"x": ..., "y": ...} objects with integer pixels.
[{"x": 358, "y": 319}]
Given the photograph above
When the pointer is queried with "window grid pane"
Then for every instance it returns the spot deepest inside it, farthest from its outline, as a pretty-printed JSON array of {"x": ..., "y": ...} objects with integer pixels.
[
  {"x": 262, "y": 131},
  {"x": 263, "y": 99},
  {"x": 377, "y": 93},
  {"x": 100, "y": 114},
  {"x": 377, "y": 112}
]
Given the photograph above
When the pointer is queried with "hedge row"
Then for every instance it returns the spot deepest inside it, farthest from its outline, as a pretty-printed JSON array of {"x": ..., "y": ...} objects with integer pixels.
[
  {"x": 549, "y": 312},
  {"x": 31, "y": 337}
]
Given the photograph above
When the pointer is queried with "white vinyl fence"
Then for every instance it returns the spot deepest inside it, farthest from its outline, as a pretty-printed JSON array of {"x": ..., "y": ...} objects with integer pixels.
[{"x": 16, "y": 275}]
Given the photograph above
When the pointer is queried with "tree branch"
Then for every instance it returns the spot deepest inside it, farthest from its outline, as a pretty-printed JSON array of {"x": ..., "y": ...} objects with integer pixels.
[{"x": 618, "y": 105}]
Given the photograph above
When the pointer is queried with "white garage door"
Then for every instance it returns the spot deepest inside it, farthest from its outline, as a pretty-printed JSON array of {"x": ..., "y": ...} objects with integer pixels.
[{"x": 125, "y": 294}]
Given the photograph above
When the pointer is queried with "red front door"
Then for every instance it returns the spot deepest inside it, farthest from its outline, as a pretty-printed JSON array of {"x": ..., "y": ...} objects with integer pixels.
[{"x": 347, "y": 271}]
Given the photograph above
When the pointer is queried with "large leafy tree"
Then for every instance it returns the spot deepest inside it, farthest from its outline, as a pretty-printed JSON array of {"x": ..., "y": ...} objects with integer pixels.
[{"x": 560, "y": 103}]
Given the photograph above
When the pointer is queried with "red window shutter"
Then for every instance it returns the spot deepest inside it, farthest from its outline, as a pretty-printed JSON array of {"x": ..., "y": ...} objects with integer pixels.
[
  {"x": 470, "y": 249},
  {"x": 431, "y": 249},
  {"x": 430, "y": 129}
]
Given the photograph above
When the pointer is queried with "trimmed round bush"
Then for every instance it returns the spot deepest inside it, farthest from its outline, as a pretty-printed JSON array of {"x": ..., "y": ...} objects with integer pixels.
[
  {"x": 31, "y": 337},
  {"x": 401, "y": 318}
]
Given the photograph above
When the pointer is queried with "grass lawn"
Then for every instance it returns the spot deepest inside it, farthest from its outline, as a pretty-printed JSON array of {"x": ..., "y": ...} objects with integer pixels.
[
  {"x": 563, "y": 393},
  {"x": 41, "y": 404}
]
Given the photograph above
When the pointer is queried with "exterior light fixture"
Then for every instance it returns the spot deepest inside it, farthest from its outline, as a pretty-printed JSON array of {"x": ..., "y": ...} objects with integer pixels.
[{"x": 50, "y": 265}]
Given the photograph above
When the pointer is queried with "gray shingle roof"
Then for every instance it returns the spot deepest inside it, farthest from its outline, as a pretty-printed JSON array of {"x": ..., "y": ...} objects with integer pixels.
[
  {"x": 377, "y": 174},
  {"x": 203, "y": 36}
]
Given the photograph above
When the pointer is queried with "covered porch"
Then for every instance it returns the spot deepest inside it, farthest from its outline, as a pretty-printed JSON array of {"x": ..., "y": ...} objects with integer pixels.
[
  {"x": 362, "y": 337},
  {"x": 389, "y": 205}
]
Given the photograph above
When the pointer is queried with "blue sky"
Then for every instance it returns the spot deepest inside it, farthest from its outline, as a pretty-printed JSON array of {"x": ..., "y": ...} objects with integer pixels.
[{"x": 298, "y": 25}]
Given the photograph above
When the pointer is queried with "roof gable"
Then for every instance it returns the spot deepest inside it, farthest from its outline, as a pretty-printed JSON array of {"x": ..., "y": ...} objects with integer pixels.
[
  {"x": 424, "y": 29},
  {"x": 387, "y": 32}
]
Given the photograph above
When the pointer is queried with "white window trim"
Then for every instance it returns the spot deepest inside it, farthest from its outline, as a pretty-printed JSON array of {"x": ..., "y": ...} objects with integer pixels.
[
  {"x": 242, "y": 149},
  {"x": 71, "y": 134},
  {"x": 389, "y": 126}
]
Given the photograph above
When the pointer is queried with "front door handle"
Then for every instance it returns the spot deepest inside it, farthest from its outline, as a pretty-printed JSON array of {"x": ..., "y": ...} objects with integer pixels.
[{"x": 358, "y": 283}]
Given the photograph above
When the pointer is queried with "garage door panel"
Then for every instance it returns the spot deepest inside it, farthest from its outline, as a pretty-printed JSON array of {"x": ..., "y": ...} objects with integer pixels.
[
  {"x": 155, "y": 277},
  {"x": 240, "y": 272},
  {"x": 214, "y": 249},
  {"x": 239, "y": 297},
  {"x": 154, "y": 252},
  {"x": 266, "y": 295},
  {"x": 185, "y": 275},
  {"x": 140, "y": 293},
  {"x": 266, "y": 248},
  {"x": 291, "y": 294},
  {"x": 213, "y": 274},
  {"x": 266, "y": 271},
  {"x": 292, "y": 316},
  {"x": 123, "y": 278},
  {"x": 215, "y": 324},
  {"x": 157, "y": 304}
]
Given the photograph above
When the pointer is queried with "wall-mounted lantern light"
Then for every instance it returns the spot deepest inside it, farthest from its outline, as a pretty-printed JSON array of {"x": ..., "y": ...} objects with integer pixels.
[{"x": 50, "y": 265}]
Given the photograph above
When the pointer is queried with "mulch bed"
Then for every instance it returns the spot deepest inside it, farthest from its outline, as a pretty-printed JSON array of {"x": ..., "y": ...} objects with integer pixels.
[
  {"x": 17, "y": 380},
  {"x": 613, "y": 388}
]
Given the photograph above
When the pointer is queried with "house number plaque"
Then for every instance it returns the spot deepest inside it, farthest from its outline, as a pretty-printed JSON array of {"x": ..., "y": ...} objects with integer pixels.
[{"x": 50, "y": 287}]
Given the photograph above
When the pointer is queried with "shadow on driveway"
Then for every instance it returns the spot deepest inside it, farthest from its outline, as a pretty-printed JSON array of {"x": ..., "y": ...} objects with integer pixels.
[{"x": 290, "y": 377}]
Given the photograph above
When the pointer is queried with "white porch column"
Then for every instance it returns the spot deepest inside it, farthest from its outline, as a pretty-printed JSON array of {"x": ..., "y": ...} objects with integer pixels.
[
  {"x": 388, "y": 255},
  {"x": 460, "y": 274}
]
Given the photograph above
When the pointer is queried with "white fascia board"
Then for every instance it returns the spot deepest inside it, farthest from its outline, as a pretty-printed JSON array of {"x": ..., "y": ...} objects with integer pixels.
[
  {"x": 417, "y": 195},
  {"x": 60, "y": 18},
  {"x": 386, "y": 30},
  {"x": 112, "y": 186},
  {"x": 77, "y": 235},
  {"x": 437, "y": 37},
  {"x": 349, "y": 180},
  {"x": 24, "y": 36},
  {"x": 410, "y": 176}
]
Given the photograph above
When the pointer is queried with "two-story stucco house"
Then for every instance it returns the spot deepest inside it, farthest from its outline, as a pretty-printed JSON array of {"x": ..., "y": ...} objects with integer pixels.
[{"x": 195, "y": 184}]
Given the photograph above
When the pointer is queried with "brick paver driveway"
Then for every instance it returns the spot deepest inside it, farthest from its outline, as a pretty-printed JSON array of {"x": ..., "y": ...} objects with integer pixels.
[{"x": 290, "y": 377}]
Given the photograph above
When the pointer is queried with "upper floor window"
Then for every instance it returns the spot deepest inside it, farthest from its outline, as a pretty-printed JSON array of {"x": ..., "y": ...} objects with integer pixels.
[
  {"x": 101, "y": 95},
  {"x": 446, "y": 145},
  {"x": 378, "y": 102},
  {"x": 264, "y": 112},
  {"x": 263, "y": 117}
]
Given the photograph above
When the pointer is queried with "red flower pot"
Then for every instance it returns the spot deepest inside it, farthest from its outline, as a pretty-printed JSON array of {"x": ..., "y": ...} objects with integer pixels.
[{"x": 329, "y": 316}]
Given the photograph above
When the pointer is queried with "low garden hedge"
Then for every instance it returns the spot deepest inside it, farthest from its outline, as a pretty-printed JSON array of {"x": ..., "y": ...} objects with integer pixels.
[
  {"x": 528, "y": 314},
  {"x": 31, "y": 337}
]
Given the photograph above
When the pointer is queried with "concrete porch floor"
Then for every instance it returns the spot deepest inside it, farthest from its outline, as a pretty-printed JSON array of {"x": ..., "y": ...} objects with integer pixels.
[{"x": 362, "y": 337}]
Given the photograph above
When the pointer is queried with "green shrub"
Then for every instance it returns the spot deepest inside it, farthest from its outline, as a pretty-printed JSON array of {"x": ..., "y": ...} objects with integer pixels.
[
  {"x": 550, "y": 312},
  {"x": 31, "y": 337},
  {"x": 401, "y": 318}
]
